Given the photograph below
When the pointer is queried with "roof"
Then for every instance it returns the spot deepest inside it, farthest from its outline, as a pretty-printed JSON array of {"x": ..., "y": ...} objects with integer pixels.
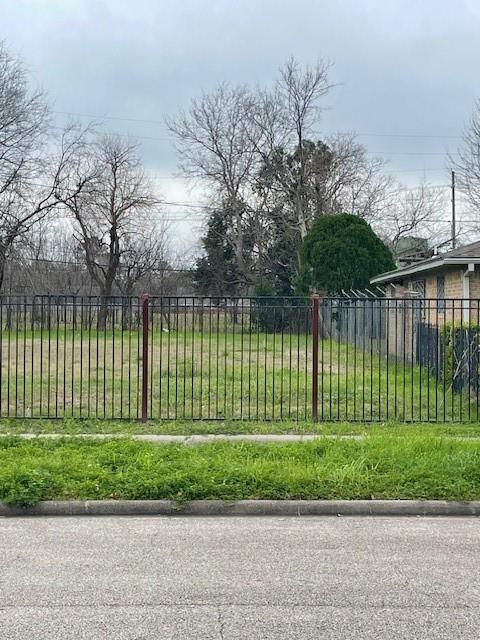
[{"x": 469, "y": 254}]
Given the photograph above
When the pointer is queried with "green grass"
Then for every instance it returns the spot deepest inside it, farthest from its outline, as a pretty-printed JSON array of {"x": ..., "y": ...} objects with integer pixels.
[
  {"x": 224, "y": 374},
  {"x": 415, "y": 465},
  {"x": 229, "y": 374},
  {"x": 73, "y": 426}
]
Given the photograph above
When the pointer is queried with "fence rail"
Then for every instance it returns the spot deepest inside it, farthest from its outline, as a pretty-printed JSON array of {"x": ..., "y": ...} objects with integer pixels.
[{"x": 255, "y": 358}]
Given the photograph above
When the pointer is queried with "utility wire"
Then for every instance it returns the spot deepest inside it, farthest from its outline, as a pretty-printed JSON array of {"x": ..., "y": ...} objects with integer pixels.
[
  {"x": 104, "y": 117},
  {"x": 366, "y": 135},
  {"x": 82, "y": 264}
]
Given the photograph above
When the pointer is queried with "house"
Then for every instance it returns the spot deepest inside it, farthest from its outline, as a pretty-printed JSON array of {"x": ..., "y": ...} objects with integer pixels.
[
  {"x": 431, "y": 304},
  {"x": 448, "y": 285}
]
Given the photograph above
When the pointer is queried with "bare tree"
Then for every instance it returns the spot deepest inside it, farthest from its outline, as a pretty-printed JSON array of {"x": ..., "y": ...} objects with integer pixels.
[
  {"x": 287, "y": 116},
  {"x": 216, "y": 143},
  {"x": 353, "y": 182},
  {"x": 468, "y": 163},
  {"x": 302, "y": 89},
  {"x": 410, "y": 211},
  {"x": 47, "y": 261},
  {"x": 30, "y": 168},
  {"x": 228, "y": 134},
  {"x": 337, "y": 176},
  {"x": 260, "y": 152},
  {"x": 113, "y": 203},
  {"x": 145, "y": 253}
]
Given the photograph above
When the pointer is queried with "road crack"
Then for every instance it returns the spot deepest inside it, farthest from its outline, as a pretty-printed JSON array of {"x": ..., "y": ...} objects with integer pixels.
[{"x": 221, "y": 624}]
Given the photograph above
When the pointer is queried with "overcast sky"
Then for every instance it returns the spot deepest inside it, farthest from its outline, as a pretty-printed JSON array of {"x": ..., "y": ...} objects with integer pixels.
[{"x": 402, "y": 67}]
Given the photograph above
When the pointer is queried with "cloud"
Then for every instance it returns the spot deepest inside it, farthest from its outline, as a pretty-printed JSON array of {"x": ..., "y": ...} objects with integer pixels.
[{"x": 401, "y": 66}]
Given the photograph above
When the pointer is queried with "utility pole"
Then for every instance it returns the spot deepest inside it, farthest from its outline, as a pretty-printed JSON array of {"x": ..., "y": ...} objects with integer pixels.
[{"x": 454, "y": 227}]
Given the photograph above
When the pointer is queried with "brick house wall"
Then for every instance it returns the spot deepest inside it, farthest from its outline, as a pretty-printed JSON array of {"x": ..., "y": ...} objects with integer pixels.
[
  {"x": 404, "y": 315},
  {"x": 454, "y": 308}
]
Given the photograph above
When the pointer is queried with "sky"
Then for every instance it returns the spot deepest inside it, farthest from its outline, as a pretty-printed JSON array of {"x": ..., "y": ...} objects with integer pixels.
[{"x": 405, "y": 72}]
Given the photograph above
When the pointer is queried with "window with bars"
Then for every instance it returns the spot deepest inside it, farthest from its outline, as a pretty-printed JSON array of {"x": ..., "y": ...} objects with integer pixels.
[
  {"x": 418, "y": 286},
  {"x": 441, "y": 293}
]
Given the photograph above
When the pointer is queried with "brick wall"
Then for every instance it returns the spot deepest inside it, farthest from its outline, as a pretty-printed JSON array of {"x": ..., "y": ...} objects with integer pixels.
[
  {"x": 403, "y": 317},
  {"x": 475, "y": 285},
  {"x": 437, "y": 313}
]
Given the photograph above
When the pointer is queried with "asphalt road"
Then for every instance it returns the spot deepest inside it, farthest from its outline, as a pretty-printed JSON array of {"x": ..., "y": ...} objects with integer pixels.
[{"x": 231, "y": 578}]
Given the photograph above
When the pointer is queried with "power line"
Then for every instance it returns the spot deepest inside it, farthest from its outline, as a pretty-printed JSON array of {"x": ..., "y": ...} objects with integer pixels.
[
  {"x": 410, "y": 135},
  {"x": 200, "y": 205},
  {"x": 427, "y": 186},
  {"x": 104, "y": 117},
  {"x": 365, "y": 135},
  {"x": 378, "y": 153},
  {"x": 424, "y": 170},
  {"x": 127, "y": 135},
  {"x": 413, "y": 153},
  {"x": 82, "y": 264}
]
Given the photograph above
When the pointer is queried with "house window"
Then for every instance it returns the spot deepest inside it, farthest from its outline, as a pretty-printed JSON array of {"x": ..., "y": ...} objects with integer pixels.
[{"x": 441, "y": 293}]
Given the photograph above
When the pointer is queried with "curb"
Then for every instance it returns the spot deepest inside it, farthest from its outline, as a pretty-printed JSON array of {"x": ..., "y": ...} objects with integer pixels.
[{"x": 246, "y": 508}]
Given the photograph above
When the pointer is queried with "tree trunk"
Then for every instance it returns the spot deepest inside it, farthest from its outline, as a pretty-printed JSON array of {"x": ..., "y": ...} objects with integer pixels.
[
  {"x": 105, "y": 294},
  {"x": 3, "y": 265}
]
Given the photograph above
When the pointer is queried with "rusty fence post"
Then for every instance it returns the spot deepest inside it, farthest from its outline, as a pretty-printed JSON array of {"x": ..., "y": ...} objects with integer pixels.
[
  {"x": 315, "y": 331},
  {"x": 145, "y": 330}
]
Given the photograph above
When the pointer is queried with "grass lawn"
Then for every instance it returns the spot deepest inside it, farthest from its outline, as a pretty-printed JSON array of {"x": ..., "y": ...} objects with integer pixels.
[
  {"x": 418, "y": 465},
  {"x": 217, "y": 374}
]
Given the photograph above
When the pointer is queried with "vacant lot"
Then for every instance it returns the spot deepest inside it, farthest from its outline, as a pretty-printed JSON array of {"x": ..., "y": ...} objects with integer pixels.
[{"x": 216, "y": 375}]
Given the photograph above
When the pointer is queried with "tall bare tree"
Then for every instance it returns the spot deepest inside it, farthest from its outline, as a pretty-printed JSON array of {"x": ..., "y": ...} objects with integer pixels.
[
  {"x": 302, "y": 90},
  {"x": 411, "y": 211},
  {"x": 337, "y": 176},
  {"x": 286, "y": 117},
  {"x": 467, "y": 164},
  {"x": 145, "y": 254},
  {"x": 261, "y": 154},
  {"x": 114, "y": 202},
  {"x": 216, "y": 143},
  {"x": 31, "y": 163}
]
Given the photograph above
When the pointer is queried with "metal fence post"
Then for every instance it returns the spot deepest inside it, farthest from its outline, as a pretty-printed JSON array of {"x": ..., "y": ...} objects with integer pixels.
[
  {"x": 145, "y": 330},
  {"x": 315, "y": 331}
]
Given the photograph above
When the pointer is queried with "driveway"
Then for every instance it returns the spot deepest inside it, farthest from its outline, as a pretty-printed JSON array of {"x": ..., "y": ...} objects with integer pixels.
[{"x": 231, "y": 578}]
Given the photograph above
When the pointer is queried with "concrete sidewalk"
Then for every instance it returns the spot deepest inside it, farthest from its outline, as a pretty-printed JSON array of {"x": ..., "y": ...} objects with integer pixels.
[
  {"x": 206, "y": 438},
  {"x": 191, "y": 439},
  {"x": 239, "y": 578}
]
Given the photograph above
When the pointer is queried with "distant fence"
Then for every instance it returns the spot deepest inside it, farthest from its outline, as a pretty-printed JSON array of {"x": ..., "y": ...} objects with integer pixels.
[{"x": 252, "y": 358}]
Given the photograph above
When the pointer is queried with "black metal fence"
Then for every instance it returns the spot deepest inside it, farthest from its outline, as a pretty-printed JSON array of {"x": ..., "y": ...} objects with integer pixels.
[
  {"x": 158, "y": 358},
  {"x": 409, "y": 359},
  {"x": 239, "y": 358}
]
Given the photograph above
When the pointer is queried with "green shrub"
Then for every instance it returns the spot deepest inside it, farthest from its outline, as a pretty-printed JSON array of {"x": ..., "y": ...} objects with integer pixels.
[
  {"x": 459, "y": 353},
  {"x": 341, "y": 252},
  {"x": 26, "y": 487},
  {"x": 272, "y": 313}
]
